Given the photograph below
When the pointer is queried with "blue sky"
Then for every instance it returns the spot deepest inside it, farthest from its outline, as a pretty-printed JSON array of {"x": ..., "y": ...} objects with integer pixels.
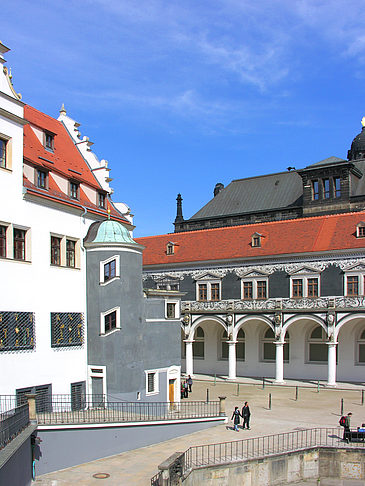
[{"x": 180, "y": 95}]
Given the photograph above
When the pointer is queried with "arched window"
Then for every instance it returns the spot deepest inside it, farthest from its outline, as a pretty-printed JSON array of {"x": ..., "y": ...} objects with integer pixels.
[
  {"x": 269, "y": 347},
  {"x": 318, "y": 351},
  {"x": 361, "y": 347},
  {"x": 240, "y": 345},
  {"x": 198, "y": 344}
]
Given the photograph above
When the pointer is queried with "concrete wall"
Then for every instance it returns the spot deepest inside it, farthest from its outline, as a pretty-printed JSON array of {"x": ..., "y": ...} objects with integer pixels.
[
  {"x": 63, "y": 448},
  {"x": 284, "y": 469},
  {"x": 17, "y": 471}
]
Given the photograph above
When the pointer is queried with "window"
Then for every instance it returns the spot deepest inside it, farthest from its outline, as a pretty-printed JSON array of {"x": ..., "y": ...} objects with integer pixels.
[
  {"x": 170, "y": 249},
  {"x": 3, "y": 147},
  {"x": 337, "y": 187},
  {"x": 3, "y": 241},
  {"x": 152, "y": 382},
  {"x": 304, "y": 283},
  {"x": 70, "y": 253},
  {"x": 67, "y": 329},
  {"x": 109, "y": 270},
  {"x": 256, "y": 240},
  {"x": 42, "y": 179},
  {"x": 318, "y": 351},
  {"x": 198, "y": 344},
  {"x": 254, "y": 288},
  {"x": 74, "y": 190},
  {"x": 55, "y": 250},
  {"x": 208, "y": 290},
  {"x": 49, "y": 141},
  {"x": 240, "y": 345},
  {"x": 269, "y": 346},
  {"x": 326, "y": 188},
  {"x": 352, "y": 285},
  {"x": 315, "y": 190},
  {"x": 172, "y": 309},
  {"x": 360, "y": 230},
  {"x": 361, "y": 348},
  {"x": 16, "y": 331},
  {"x": 19, "y": 244},
  {"x": 110, "y": 321},
  {"x": 101, "y": 200},
  {"x": 168, "y": 284}
]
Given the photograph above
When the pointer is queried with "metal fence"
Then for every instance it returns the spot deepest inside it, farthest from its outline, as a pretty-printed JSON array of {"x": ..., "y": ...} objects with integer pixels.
[
  {"x": 63, "y": 409},
  {"x": 12, "y": 422},
  {"x": 254, "y": 448}
]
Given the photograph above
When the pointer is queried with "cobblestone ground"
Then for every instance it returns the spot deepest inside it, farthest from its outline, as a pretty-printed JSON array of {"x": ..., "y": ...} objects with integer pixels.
[{"x": 312, "y": 409}]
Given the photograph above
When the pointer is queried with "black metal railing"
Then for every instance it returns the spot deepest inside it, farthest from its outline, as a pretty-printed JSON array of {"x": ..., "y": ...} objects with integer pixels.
[
  {"x": 259, "y": 447},
  {"x": 63, "y": 409},
  {"x": 12, "y": 422}
]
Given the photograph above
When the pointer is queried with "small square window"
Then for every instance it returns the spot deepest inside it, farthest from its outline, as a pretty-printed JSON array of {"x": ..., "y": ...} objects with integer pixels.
[
  {"x": 74, "y": 190},
  {"x": 170, "y": 249},
  {"x": 361, "y": 231},
  {"x": 256, "y": 241},
  {"x": 49, "y": 141},
  {"x": 171, "y": 310},
  {"x": 110, "y": 321},
  {"x": 42, "y": 179},
  {"x": 3, "y": 146},
  {"x": 101, "y": 200},
  {"x": 152, "y": 382},
  {"x": 19, "y": 244},
  {"x": 109, "y": 270}
]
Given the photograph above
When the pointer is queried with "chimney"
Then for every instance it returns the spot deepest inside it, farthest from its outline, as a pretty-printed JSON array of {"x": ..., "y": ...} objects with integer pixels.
[
  {"x": 179, "y": 215},
  {"x": 218, "y": 187}
]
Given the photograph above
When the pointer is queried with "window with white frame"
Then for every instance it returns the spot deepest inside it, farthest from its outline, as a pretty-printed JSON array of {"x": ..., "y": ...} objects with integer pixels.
[
  {"x": 305, "y": 283},
  {"x": 172, "y": 310},
  {"x": 361, "y": 347},
  {"x": 110, "y": 321},
  {"x": 109, "y": 269},
  {"x": 255, "y": 285},
  {"x": 3, "y": 231},
  {"x": 354, "y": 282},
  {"x": 152, "y": 382},
  {"x": 208, "y": 290},
  {"x": 256, "y": 240},
  {"x": 5, "y": 152},
  {"x": 360, "y": 230}
]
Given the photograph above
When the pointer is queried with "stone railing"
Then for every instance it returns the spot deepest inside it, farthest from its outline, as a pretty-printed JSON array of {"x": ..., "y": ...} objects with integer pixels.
[{"x": 319, "y": 303}]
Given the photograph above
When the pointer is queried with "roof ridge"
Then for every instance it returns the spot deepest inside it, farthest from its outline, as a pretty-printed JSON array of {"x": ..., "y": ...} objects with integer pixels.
[
  {"x": 42, "y": 113},
  {"x": 263, "y": 175}
]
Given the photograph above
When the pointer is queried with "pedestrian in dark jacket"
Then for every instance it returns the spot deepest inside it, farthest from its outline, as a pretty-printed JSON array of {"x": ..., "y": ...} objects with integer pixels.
[
  {"x": 236, "y": 418},
  {"x": 346, "y": 428},
  {"x": 190, "y": 383},
  {"x": 246, "y": 414}
]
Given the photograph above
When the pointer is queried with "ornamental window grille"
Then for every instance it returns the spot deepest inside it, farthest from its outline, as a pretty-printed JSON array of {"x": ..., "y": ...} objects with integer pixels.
[
  {"x": 70, "y": 253},
  {"x": 55, "y": 250},
  {"x": 16, "y": 331},
  {"x": 3, "y": 241},
  {"x": 67, "y": 329},
  {"x": 19, "y": 244},
  {"x": 3, "y": 144},
  {"x": 109, "y": 270}
]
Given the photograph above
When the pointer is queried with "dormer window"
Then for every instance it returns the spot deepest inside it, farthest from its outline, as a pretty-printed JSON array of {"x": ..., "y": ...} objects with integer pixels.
[
  {"x": 315, "y": 190},
  {"x": 256, "y": 240},
  {"x": 337, "y": 186},
  {"x": 326, "y": 188},
  {"x": 49, "y": 141},
  {"x": 101, "y": 200},
  {"x": 42, "y": 179},
  {"x": 360, "y": 230},
  {"x": 170, "y": 248},
  {"x": 74, "y": 190}
]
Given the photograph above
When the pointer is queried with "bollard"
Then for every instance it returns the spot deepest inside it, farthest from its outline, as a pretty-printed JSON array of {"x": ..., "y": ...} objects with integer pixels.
[
  {"x": 318, "y": 386},
  {"x": 207, "y": 395},
  {"x": 215, "y": 379},
  {"x": 263, "y": 382},
  {"x": 238, "y": 389},
  {"x": 341, "y": 407},
  {"x": 296, "y": 393},
  {"x": 269, "y": 401},
  {"x": 362, "y": 397}
]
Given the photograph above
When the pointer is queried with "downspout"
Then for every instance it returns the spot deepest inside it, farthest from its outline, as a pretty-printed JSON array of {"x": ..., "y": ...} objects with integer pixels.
[{"x": 82, "y": 217}]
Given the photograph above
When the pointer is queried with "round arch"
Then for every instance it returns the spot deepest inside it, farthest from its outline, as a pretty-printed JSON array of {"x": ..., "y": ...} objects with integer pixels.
[
  {"x": 243, "y": 320},
  {"x": 202, "y": 319},
  {"x": 346, "y": 319},
  {"x": 308, "y": 317}
]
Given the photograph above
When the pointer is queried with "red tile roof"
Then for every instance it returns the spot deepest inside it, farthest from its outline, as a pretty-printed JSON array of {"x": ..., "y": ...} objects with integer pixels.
[
  {"x": 304, "y": 235},
  {"x": 65, "y": 160}
]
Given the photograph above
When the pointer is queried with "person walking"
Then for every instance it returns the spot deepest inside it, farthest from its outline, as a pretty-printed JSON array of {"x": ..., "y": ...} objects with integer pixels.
[
  {"x": 346, "y": 427},
  {"x": 186, "y": 394},
  {"x": 190, "y": 383},
  {"x": 246, "y": 414},
  {"x": 236, "y": 418}
]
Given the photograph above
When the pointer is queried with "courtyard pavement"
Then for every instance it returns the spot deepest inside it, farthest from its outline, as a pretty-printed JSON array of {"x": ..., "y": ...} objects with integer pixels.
[{"x": 312, "y": 409}]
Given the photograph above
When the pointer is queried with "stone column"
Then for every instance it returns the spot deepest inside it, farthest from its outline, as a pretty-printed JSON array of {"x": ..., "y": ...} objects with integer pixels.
[
  {"x": 279, "y": 362},
  {"x": 331, "y": 381},
  {"x": 32, "y": 408},
  {"x": 231, "y": 360},
  {"x": 189, "y": 356},
  {"x": 222, "y": 406}
]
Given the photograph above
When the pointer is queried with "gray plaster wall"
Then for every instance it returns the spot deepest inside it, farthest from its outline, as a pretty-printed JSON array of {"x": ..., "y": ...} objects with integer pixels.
[
  {"x": 231, "y": 286},
  {"x": 332, "y": 281},
  {"x": 68, "y": 447},
  {"x": 17, "y": 471}
]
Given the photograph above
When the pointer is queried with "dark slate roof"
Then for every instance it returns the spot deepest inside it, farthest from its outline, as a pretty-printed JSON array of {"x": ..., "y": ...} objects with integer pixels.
[
  {"x": 329, "y": 161},
  {"x": 272, "y": 191}
]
